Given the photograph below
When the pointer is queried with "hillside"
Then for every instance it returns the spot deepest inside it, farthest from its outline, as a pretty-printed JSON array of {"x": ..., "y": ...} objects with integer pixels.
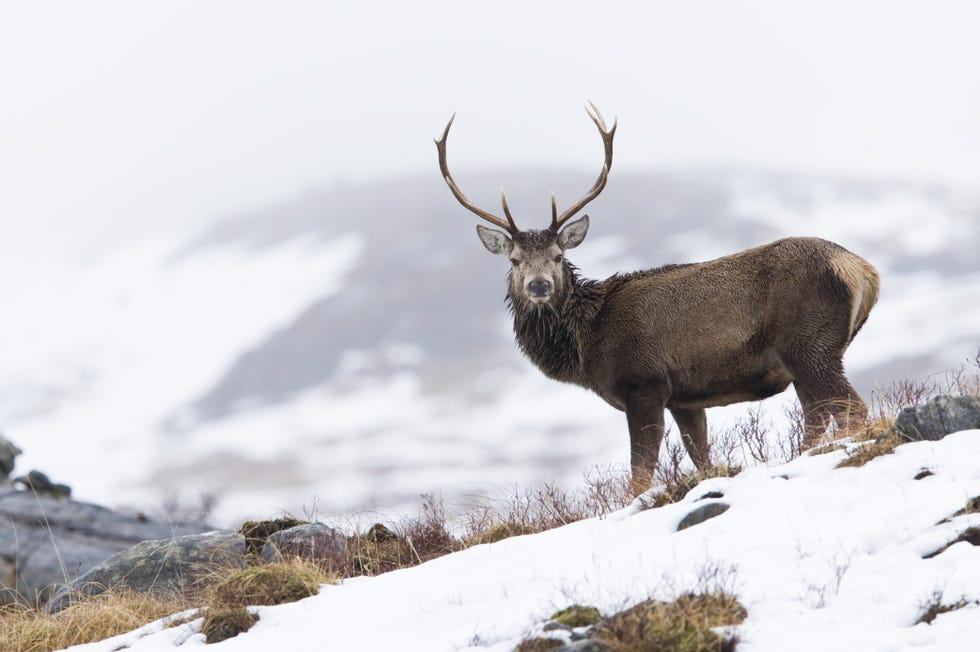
[
  {"x": 349, "y": 349},
  {"x": 822, "y": 559}
]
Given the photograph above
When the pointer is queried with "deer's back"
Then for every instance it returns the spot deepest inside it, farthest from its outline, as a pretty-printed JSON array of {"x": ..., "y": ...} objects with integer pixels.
[{"x": 717, "y": 330}]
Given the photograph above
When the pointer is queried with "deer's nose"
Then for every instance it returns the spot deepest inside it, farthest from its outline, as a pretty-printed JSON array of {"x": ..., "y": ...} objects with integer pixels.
[{"x": 539, "y": 288}]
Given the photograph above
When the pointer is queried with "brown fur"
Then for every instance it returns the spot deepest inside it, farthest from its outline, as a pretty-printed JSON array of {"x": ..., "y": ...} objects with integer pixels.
[
  {"x": 684, "y": 337},
  {"x": 687, "y": 337}
]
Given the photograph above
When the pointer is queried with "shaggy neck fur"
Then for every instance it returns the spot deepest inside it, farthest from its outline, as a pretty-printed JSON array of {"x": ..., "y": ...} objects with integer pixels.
[{"x": 551, "y": 335}]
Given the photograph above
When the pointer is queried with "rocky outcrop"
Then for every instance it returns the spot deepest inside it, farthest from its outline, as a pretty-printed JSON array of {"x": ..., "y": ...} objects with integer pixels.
[
  {"x": 46, "y": 541},
  {"x": 165, "y": 566},
  {"x": 933, "y": 420},
  {"x": 312, "y": 541}
]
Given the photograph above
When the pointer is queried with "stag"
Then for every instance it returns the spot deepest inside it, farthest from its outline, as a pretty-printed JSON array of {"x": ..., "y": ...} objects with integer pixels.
[{"x": 684, "y": 337}]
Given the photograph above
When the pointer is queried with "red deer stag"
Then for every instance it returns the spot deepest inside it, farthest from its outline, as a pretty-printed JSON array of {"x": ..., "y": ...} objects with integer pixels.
[{"x": 684, "y": 337}]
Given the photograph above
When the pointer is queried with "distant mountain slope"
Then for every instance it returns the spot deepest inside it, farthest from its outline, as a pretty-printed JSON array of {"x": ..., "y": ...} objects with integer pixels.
[{"x": 425, "y": 282}]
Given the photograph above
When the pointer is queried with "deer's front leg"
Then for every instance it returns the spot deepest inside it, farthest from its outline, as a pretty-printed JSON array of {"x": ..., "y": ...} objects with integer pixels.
[{"x": 645, "y": 416}]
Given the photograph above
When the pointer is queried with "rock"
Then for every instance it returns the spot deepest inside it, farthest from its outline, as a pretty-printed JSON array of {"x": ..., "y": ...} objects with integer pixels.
[
  {"x": 256, "y": 532},
  {"x": 45, "y": 542},
  {"x": 162, "y": 566},
  {"x": 8, "y": 452},
  {"x": 39, "y": 483},
  {"x": 939, "y": 417},
  {"x": 702, "y": 514},
  {"x": 311, "y": 541}
]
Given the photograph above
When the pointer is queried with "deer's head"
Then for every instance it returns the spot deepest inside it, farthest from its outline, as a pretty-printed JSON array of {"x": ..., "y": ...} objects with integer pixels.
[{"x": 537, "y": 257}]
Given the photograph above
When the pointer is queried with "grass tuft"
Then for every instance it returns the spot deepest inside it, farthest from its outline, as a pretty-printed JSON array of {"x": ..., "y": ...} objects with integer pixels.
[
  {"x": 683, "y": 625},
  {"x": 885, "y": 444},
  {"x": 676, "y": 487},
  {"x": 539, "y": 645},
  {"x": 222, "y": 623},
  {"x": 266, "y": 584},
  {"x": 577, "y": 616}
]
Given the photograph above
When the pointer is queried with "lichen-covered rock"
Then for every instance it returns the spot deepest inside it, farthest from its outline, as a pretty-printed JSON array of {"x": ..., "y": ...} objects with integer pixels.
[
  {"x": 939, "y": 417},
  {"x": 702, "y": 514},
  {"x": 312, "y": 541},
  {"x": 161, "y": 566},
  {"x": 46, "y": 542}
]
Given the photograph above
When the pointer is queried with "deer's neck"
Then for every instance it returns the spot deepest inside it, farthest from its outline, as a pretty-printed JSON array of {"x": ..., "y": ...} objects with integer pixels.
[{"x": 553, "y": 336}]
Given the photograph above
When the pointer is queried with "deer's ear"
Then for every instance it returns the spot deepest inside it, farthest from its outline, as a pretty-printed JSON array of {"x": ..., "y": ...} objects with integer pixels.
[
  {"x": 573, "y": 234},
  {"x": 495, "y": 241}
]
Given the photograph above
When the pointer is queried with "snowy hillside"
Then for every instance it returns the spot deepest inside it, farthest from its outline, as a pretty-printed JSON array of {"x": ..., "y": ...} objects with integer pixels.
[
  {"x": 822, "y": 559},
  {"x": 350, "y": 349}
]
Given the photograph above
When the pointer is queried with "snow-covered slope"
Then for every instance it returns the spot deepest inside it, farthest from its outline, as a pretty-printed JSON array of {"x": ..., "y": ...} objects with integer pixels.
[
  {"x": 349, "y": 349},
  {"x": 822, "y": 558}
]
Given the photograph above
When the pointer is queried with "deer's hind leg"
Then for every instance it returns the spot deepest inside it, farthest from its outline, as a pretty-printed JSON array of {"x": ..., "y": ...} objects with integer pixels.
[
  {"x": 693, "y": 426},
  {"x": 826, "y": 394}
]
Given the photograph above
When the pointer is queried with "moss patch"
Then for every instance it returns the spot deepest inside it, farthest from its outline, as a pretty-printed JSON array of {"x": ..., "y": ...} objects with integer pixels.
[{"x": 577, "y": 616}]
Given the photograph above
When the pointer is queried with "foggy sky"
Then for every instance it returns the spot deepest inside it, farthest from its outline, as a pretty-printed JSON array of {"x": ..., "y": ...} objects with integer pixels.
[{"x": 119, "y": 119}]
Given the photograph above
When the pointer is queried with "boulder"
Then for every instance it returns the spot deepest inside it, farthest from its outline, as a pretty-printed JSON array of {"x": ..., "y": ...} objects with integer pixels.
[
  {"x": 702, "y": 514},
  {"x": 312, "y": 541},
  {"x": 8, "y": 452},
  {"x": 46, "y": 541},
  {"x": 933, "y": 420},
  {"x": 40, "y": 484},
  {"x": 162, "y": 566}
]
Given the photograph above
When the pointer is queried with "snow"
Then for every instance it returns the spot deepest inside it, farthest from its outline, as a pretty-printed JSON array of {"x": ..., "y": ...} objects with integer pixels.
[
  {"x": 79, "y": 338},
  {"x": 822, "y": 558}
]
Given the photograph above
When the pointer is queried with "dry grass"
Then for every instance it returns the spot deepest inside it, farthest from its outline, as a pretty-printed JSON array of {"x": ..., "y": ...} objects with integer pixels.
[
  {"x": 273, "y": 583},
  {"x": 109, "y": 614},
  {"x": 936, "y": 605},
  {"x": 879, "y": 438},
  {"x": 428, "y": 535},
  {"x": 682, "y": 625},
  {"x": 675, "y": 485}
]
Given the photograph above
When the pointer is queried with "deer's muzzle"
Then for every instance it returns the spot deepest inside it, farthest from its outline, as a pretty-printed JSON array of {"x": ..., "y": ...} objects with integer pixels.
[{"x": 539, "y": 290}]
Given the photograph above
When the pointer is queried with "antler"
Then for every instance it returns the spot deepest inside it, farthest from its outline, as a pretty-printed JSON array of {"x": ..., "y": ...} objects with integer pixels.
[
  {"x": 509, "y": 225},
  {"x": 607, "y": 140}
]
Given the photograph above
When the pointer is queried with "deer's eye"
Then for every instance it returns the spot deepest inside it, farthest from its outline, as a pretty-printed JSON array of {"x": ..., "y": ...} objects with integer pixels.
[
  {"x": 514, "y": 262},
  {"x": 558, "y": 258}
]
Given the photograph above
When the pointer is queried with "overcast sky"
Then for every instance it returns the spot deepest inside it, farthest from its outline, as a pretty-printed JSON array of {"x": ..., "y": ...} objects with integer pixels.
[{"x": 121, "y": 118}]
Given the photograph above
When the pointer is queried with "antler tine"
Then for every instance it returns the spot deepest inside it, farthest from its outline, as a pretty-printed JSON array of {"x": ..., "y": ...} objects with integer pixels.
[
  {"x": 508, "y": 226},
  {"x": 600, "y": 183}
]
